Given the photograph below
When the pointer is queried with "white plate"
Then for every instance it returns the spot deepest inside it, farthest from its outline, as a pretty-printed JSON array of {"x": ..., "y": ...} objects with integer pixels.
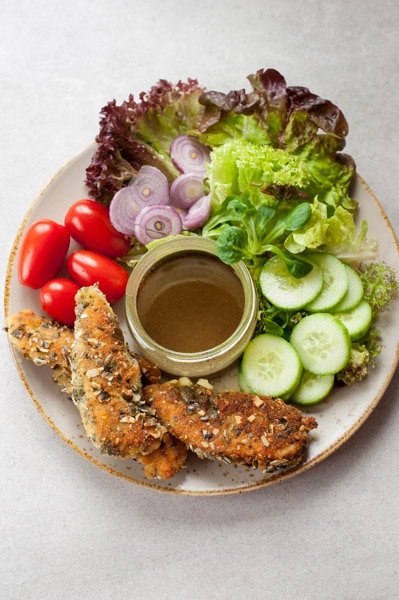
[{"x": 338, "y": 417}]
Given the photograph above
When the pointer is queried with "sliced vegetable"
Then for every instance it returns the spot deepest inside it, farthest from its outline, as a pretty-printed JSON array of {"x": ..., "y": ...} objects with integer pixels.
[
  {"x": 322, "y": 342},
  {"x": 87, "y": 268},
  {"x": 42, "y": 252},
  {"x": 57, "y": 298},
  {"x": 335, "y": 283},
  {"x": 188, "y": 155},
  {"x": 197, "y": 214},
  {"x": 186, "y": 190},
  {"x": 354, "y": 294},
  {"x": 149, "y": 187},
  {"x": 123, "y": 210},
  {"x": 89, "y": 224},
  {"x": 286, "y": 291},
  {"x": 312, "y": 388},
  {"x": 271, "y": 366},
  {"x": 158, "y": 221},
  {"x": 357, "y": 321},
  {"x": 244, "y": 387}
]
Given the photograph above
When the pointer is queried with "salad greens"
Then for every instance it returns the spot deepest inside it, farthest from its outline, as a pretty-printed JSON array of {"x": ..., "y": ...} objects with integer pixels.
[
  {"x": 279, "y": 182},
  {"x": 245, "y": 232},
  {"x": 264, "y": 172}
]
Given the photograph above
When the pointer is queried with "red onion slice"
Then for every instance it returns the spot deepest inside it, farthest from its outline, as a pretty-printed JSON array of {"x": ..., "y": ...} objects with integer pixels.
[
  {"x": 150, "y": 186},
  {"x": 188, "y": 155},
  {"x": 198, "y": 213},
  {"x": 186, "y": 189},
  {"x": 123, "y": 210},
  {"x": 155, "y": 222}
]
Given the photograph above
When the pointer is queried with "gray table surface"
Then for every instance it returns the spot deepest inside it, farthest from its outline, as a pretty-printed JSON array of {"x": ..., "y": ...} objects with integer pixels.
[{"x": 69, "y": 530}]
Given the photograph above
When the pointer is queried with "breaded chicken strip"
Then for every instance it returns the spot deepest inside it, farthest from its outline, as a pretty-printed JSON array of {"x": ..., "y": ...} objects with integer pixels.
[
  {"x": 48, "y": 343},
  {"x": 232, "y": 426},
  {"x": 45, "y": 343},
  {"x": 106, "y": 388}
]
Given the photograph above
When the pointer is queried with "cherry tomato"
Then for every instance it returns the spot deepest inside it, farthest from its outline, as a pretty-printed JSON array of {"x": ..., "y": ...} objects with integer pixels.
[
  {"x": 42, "y": 253},
  {"x": 58, "y": 299},
  {"x": 88, "y": 223},
  {"x": 87, "y": 268}
]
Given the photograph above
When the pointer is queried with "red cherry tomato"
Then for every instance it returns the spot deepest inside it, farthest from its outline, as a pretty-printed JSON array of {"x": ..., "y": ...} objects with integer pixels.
[
  {"x": 87, "y": 268},
  {"x": 42, "y": 253},
  {"x": 58, "y": 299},
  {"x": 88, "y": 223}
]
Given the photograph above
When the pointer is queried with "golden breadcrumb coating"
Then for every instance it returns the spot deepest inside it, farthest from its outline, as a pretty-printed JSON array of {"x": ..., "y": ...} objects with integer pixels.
[{"x": 236, "y": 427}]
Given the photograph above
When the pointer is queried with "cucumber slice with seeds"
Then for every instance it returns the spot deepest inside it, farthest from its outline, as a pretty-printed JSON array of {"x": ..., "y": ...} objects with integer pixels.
[
  {"x": 323, "y": 344},
  {"x": 312, "y": 389},
  {"x": 270, "y": 366},
  {"x": 286, "y": 291},
  {"x": 335, "y": 283},
  {"x": 354, "y": 294},
  {"x": 357, "y": 321}
]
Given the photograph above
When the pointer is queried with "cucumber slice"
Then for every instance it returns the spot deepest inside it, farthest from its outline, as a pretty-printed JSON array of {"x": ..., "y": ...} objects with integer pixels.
[
  {"x": 323, "y": 344},
  {"x": 271, "y": 366},
  {"x": 335, "y": 283},
  {"x": 357, "y": 321},
  {"x": 244, "y": 387},
  {"x": 312, "y": 388},
  {"x": 286, "y": 291},
  {"x": 354, "y": 294}
]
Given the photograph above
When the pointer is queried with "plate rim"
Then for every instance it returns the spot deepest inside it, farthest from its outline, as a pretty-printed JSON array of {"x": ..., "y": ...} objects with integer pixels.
[{"x": 274, "y": 479}]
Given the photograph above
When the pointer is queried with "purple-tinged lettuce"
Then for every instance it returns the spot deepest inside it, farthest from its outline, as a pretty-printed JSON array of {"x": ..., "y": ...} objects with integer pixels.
[{"x": 137, "y": 133}]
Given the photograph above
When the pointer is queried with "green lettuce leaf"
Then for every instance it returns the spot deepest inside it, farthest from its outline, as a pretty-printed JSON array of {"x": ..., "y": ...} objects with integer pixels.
[
  {"x": 240, "y": 167},
  {"x": 336, "y": 234}
]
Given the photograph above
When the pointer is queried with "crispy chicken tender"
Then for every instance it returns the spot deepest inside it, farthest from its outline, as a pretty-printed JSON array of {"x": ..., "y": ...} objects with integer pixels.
[
  {"x": 106, "y": 388},
  {"x": 48, "y": 343},
  {"x": 45, "y": 343},
  {"x": 232, "y": 426}
]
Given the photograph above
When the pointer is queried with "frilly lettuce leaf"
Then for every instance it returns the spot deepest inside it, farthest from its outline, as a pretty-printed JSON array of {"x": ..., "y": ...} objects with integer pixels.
[
  {"x": 335, "y": 234},
  {"x": 137, "y": 133},
  {"x": 259, "y": 172},
  {"x": 235, "y": 126}
]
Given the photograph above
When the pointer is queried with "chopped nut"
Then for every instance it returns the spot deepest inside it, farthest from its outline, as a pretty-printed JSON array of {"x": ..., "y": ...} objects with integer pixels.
[
  {"x": 204, "y": 444},
  {"x": 258, "y": 402},
  {"x": 251, "y": 418},
  {"x": 92, "y": 373},
  {"x": 215, "y": 431},
  {"x": 201, "y": 412},
  {"x": 237, "y": 419},
  {"x": 265, "y": 441},
  {"x": 204, "y": 383},
  {"x": 39, "y": 362},
  {"x": 183, "y": 381},
  {"x": 127, "y": 419}
]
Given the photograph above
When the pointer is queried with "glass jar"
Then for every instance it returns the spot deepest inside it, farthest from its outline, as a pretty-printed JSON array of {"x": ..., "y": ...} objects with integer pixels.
[{"x": 190, "y": 364}]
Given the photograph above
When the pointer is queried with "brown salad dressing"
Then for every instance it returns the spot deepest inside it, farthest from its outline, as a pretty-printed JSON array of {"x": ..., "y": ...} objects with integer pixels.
[{"x": 190, "y": 303}]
